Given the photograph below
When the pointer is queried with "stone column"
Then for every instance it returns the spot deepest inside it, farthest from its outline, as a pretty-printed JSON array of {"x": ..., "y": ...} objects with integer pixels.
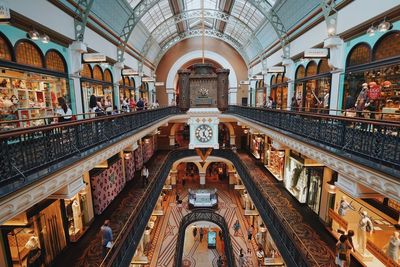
[
  {"x": 76, "y": 50},
  {"x": 202, "y": 178},
  {"x": 232, "y": 96},
  {"x": 290, "y": 74},
  {"x": 336, "y": 62},
  {"x": 171, "y": 95},
  {"x": 184, "y": 89},
  {"x": 222, "y": 89},
  {"x": 117, "y": 76}
]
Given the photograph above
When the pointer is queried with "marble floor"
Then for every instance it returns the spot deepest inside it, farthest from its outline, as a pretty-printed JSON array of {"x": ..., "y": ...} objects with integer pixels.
[{"x": 162, "y": 253}]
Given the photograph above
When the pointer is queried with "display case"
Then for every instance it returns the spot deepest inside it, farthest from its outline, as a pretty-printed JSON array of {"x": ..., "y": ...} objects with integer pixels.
[
  {"x": 203, "y": 198},
  {"x": 212, "y": 239}
]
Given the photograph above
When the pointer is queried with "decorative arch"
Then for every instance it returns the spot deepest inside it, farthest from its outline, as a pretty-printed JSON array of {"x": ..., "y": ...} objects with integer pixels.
[
  {"x": 359, "y": 54},
  {"x": 55, "y": 61},
  {"x": 323, "y": 66},
  {"x": 6, "y": 49},
  {"x": 126, "y": 81},
  {"x": 197, "y": 159},
  {"x": 300, "y": 72},
  {"x": 98, "y": 73},
  {"x": 311, "y": 69},
  {"x": 273, "y": 80},
  {"x": 108, "y": 76},
  {"x": 133, "y": 82},
  {"x": 388, "y": 46},
  {"x": 279, "y": 79},
  {"x": 87, "y": 71},
  {"x": 198, "y": 54},
  {"x": 28, "y": 53}
]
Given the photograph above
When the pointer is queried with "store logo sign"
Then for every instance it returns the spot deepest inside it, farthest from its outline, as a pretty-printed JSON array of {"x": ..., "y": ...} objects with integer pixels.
[
  {"x": 5, "y": 15},
  {"x": 276, "y": 69},
  {"x": 129, "y": 72},
  {"x": 94, "y": 57},
  {"x": 316, "y": 53}
]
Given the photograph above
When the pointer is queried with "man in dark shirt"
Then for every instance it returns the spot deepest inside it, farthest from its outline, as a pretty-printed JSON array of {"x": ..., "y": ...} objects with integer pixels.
[
  {"x": 140, "y": 104},
  {"x": 106, "y": 237}
]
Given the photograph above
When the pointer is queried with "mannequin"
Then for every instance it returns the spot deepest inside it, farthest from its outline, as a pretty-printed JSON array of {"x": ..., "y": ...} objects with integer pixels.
[
  {"x": 76, "y": 211},
  {"x": 393, "y": 246},
  {"x": 362, "y": 99},
  {"x": 365, "y": 226},
  {"x": 344, "y": 206},
  {"x": 34, "y": 251}
]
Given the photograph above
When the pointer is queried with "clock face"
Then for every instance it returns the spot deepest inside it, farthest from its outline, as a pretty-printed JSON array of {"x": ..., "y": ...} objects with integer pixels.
[{"x": 203, "y": 133}]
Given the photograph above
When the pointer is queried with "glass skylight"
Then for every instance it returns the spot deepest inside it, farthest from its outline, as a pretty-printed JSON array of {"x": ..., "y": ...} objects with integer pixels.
[
  {"x": 196, "y": 4},
  {"x": 156, "y": 15},
  {"x": 247, "y": 13}
]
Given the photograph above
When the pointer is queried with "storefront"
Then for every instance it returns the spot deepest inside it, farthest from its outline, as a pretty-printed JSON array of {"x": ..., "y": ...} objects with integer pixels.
[
  {"x": 313, "y": 87},
  {"x": 30, "y": 82},
  {"x": 303, "y": 178},
  {"x": 377, "y": 67},
  {"x": 257, "y": 146},
  {"x": 98, "y": 83},
  {"x": 371, "y": 243},
  {"x": 260, "y": 93},
  {"x": 274, "y": 158},
  {"x": 127, "y": 88},
  {"x": 144, "y": 91},
  {"x": 279, "y": 91},
  {"x": 79, "y": 211},
  {"x": 35, "y": 237}
]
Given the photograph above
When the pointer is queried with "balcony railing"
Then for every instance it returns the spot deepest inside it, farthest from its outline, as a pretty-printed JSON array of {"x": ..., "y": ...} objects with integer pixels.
[
  {"x": 369, "y": 142},
  {"x": 23, "y": 152},
  {"x": 291, "y": 247}
]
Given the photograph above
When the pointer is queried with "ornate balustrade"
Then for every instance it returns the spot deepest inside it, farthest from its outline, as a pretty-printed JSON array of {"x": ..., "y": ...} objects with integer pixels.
[
  {"x": 369, "y": 142},
  {"x": 28, "y": 154}
]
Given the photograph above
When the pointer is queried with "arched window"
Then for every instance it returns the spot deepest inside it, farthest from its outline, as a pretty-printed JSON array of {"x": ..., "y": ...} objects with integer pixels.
[
  {"x": 5, "y": 49},
  {"x": 311, "y": 69},
  {"x": 133, "y": 82},
  {"x": 323, "y": 66},
  {"x": 388, "y": 46},
  {"x": 279, "y": 79},
  {"x": 97, "y": 73},
  {"x": 273, "y": 80},
  {"x": 55, "y": 61},
  {"x": 359, "y": 54},
  {"x": 108, "y": 76},
  {"x": 300, "y": 72},
  {"x": 86, "y": 71},
  {"x": 284, "y": 80},
  {"x": 28, "y": 54},
  {"x": 127, "y": 81}
]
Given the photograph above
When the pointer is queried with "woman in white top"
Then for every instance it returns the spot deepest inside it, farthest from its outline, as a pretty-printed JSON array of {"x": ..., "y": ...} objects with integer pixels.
[{"x": 64, "y": 111}]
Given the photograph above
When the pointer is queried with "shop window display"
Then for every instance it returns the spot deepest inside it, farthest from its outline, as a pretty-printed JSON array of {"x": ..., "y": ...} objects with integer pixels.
[
  {"x": 375, "y": 234},
  {"x": 279, "y": 91},
  {"x": 274, "y": 160},
  {"x": 371, "y": 86},
  {"x": 257, "y": 146}
]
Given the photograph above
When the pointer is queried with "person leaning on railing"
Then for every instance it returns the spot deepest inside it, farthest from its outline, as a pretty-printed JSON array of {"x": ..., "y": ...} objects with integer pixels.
[{"x": 64, "y": 112}]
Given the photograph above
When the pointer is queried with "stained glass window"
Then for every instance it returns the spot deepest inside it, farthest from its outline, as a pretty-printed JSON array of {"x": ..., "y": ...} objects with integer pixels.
[
  {"x": 108, "y": 76},
  {"x": 97, "y": 73},
  {"x": 323, "y": 66},
  {"x": 388, "y": 46},
  {"x": 55, "y": 62},
  {"x": 311, "y": 69},
  {"x": 5, "y": 51},
  {"x": 86, "y": 71},
  {"x": 360, "y": 54},
  {"x": 27, "y": 54},
  {"x": 300, "y": 72}
]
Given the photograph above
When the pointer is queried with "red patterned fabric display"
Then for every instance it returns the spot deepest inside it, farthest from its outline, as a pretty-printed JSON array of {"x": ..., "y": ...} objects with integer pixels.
[
  {"x": 130, "y": 167},
  {"x": 106, "y": 186},
  {"x": 138, "y": 158}
]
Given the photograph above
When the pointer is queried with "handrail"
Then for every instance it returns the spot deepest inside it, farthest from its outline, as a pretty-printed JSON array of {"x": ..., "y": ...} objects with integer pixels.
[
  {"x": 368, "y": 142},
  {"x": 25, "y": 151},
  {"x": 294, "y": 251}
]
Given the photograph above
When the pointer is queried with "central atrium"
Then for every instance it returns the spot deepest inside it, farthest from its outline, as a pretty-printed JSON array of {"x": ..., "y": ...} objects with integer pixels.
[{"x": 199, "y": 133}]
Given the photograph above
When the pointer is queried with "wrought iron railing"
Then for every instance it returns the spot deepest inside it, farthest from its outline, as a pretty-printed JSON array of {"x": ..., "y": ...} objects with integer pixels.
[
  {"x": 23, "y": 152},
  {"x": 291, "y": 247},
  {"x": 204, "y": 215},
  {"x": 369, "y": 142}
]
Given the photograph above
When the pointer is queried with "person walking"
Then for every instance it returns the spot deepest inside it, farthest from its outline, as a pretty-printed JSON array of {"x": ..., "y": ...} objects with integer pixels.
[
  {"x": 241, "y": 258},
  {"x": 145, "y": 175},
  {"x": 260, "y": 255},
  {"x": 106, "y": 237},
  {"x": 201, "y": 234},
  {"x": 250, "y": 232},
  {"x": 236, "y": 227},
  {"x": 140, "y": 104},
  {"x": 343, "y": 248}
]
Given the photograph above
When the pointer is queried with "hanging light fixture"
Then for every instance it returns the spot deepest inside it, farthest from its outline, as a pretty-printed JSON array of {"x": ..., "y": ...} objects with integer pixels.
[
  {"x": 33, "y": 35},
  {"x": 371, "y": 31},
  {"x": 45, "y": 38},
  {"x": 384, "y": 26}
]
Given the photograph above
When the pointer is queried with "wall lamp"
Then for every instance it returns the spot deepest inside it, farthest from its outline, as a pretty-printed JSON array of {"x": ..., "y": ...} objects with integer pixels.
[
  {"x": 35, "y": 35},
  {"x": 384, "y": 26}
]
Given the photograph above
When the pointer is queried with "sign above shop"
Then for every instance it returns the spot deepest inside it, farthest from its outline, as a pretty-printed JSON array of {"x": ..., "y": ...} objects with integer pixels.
[
  {"x": 159, "y": 83},
  {"x": 316, "y": 53},
  {"x": 244, "y": 82},
  {"x": 148, "y": 79},
  {"x": 94, "y": 57},
  {"x": 276, "y": 69},
  {"x": 130, "y": 72},
  {"x": 257, "y": 77},
  {"x": 5, "y": 15}
]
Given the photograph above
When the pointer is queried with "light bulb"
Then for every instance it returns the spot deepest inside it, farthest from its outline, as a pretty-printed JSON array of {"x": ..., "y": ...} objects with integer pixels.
[
  {"x": 371, "y": 31},
  {"x": 33, "y": 35},
  {"x": 384, "y": 26},
  {"x": 45, "y": 39}
]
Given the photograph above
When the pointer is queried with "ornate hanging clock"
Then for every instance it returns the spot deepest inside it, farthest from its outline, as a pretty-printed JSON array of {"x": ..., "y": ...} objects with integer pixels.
[{"x": 203, "y": 133}]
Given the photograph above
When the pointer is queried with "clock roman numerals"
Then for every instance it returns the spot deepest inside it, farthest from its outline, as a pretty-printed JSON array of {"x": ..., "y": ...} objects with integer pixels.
[{"x": 203, "y": 133}]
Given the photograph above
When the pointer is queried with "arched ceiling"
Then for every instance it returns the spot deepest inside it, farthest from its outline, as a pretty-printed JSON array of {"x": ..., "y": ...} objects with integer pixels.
[{"x": 152, "y": 27}]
